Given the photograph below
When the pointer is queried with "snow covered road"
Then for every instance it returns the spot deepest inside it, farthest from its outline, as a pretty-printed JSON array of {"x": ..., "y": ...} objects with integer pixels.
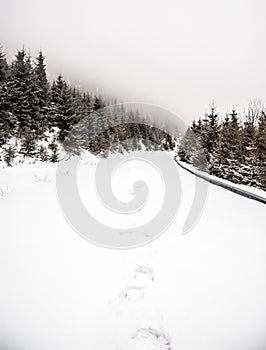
[{"x": 205, "y": 290}]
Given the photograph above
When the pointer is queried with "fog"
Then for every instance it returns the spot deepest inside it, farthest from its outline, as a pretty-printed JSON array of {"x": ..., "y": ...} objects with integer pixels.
[{"x": 180, "y": 55}]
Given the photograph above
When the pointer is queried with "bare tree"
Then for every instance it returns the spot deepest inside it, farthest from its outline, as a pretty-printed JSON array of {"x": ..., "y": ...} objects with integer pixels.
[{"x": 254, "y": 111}]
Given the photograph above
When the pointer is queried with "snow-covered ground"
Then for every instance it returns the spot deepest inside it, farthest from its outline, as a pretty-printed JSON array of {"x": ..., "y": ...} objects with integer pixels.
[
  {"x": 253, "y": 190},
  {"x": 201, "y": 291}
]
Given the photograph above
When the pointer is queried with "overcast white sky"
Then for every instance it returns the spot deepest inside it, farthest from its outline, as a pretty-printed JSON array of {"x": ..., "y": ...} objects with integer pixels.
[{"x": 179, "y": 54}]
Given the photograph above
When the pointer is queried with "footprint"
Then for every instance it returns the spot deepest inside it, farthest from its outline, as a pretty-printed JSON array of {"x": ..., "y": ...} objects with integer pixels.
[
  {"x": 150, "y": 339},
  {"x": 132, "y": 294},
  {"x": 144, "y": 274}
]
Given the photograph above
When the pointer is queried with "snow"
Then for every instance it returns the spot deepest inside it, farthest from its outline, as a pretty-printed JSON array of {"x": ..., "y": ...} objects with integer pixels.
[
  {"x": 249, "y": 189},
  {"x": 204, "y": 290}
]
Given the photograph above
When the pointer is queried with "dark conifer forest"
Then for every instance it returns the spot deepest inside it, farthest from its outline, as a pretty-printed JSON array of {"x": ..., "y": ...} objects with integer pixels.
[
  {"x": 37, "y": 115},
  {"x": 234, "y": 148}
]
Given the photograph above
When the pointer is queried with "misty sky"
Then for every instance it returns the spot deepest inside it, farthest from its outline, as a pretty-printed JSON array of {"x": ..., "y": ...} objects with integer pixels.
[{"x": 178, "y": 54}]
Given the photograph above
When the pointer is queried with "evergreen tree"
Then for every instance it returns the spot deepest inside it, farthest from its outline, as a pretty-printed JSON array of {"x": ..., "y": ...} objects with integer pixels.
[
  {"x": 42, "y": 92},
  {"x": 63, "y": 111},
  {"x": 233, "y": 144},
  {"x": 7, "y": 120},
  {"x": 7, "y": 123},
  {"x": 28, "y": 143},
  {"x": 9, "y": 155},
  {"x": 98, "y": 103},
  {"x": 3, "y": 67},
  {"x": 19, "y": 90},
  {"x": 55, "y": 152},
  {"x": 261, "y": 150},
  {"x": 191, "y": 150},
  {"x": 42, "y": 154},
  {"x": 212, "y": 131},
  {"x": 213, "y": 145},
  {"x": 223, "y": 150},
  {"x": 86, "y": 104},
  {"x": 247, "y": 166},
  {"x": 36, "y": 123}
]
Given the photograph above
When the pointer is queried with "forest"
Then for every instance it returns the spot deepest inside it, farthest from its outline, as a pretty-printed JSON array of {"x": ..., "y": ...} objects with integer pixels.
[
  {"x": 230, "y": 147},
  {"x": 38, "y": 116}
]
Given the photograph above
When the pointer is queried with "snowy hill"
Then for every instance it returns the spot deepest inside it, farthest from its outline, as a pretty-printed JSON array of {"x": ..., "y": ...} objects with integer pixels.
[{"x": 204, "y": 290}]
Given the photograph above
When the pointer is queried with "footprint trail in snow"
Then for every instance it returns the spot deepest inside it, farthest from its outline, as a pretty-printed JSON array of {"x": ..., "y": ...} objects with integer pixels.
[{"x": 145, "y": 337}]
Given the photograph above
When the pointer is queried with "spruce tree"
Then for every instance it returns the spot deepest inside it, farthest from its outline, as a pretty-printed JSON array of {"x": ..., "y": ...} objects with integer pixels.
[
  {"x": 63, "y": 111},
  {"x": 7, "y": 123},
  {"x": 28, "y": 143},
  {"x": 34, "y": 110},
  {"x": 233, "y": 144},
  {"x": 3, "y": 67},
  {"x": 191, "y": 150},
  {"x": 9, "y": 155},
  {"x": 261, "y": 150},
  {"x": 213, "y": 143},
  {"x": 19, "y": 90},
  {"x": 247, "y": 163},
  {"x": 212, "y": 131},
  {"x": 42, "y": 154},
  {"x": 98, "y": 103},
  {"x": 55, "y": 152},
  {"x": 223, "y": 146},
  {"x": 42, "y": 92}
]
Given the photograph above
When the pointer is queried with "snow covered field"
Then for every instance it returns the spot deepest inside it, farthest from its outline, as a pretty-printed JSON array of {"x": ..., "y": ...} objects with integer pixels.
[{"x": 201, "y": 291}]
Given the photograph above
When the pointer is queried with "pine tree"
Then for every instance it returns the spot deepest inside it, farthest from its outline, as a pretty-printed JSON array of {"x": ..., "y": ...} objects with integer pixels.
[
  {"x": 261, "y": 150},
  {"x": 34, "y": 110},
  {"x": 223, "y": 150},
  {"x": 42, "y": 92},
  {"x": 28, "y": 143},
  {"x": 55, "y": 152},
  {"x": 19, "y": 90},
  {"x": 86, "y": 104},
  {"x": 98, "y": 103},
  {"x": 42, "y": 154},
  {"x": 213, "y": 142},
  {"x": 233, "y": 144},
  {"x": 208, "y": 133},
  {"x": 247, "y": 166},
  {"x": 63, "y": 111},
  {"x": 7, "y": 123},
  {"x": 212, "y": 131},
  {"x": 9, "y": 155},
  {"x": 191, "y": 150},
  {"x": 3, "y": 67}
]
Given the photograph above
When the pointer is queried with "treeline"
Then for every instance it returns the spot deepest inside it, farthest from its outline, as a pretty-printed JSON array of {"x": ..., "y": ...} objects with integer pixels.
[
  {"x": 231, "y": 148},
  {"x": 31, "y": 106},
  {"x": 37, "y": 115}
]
